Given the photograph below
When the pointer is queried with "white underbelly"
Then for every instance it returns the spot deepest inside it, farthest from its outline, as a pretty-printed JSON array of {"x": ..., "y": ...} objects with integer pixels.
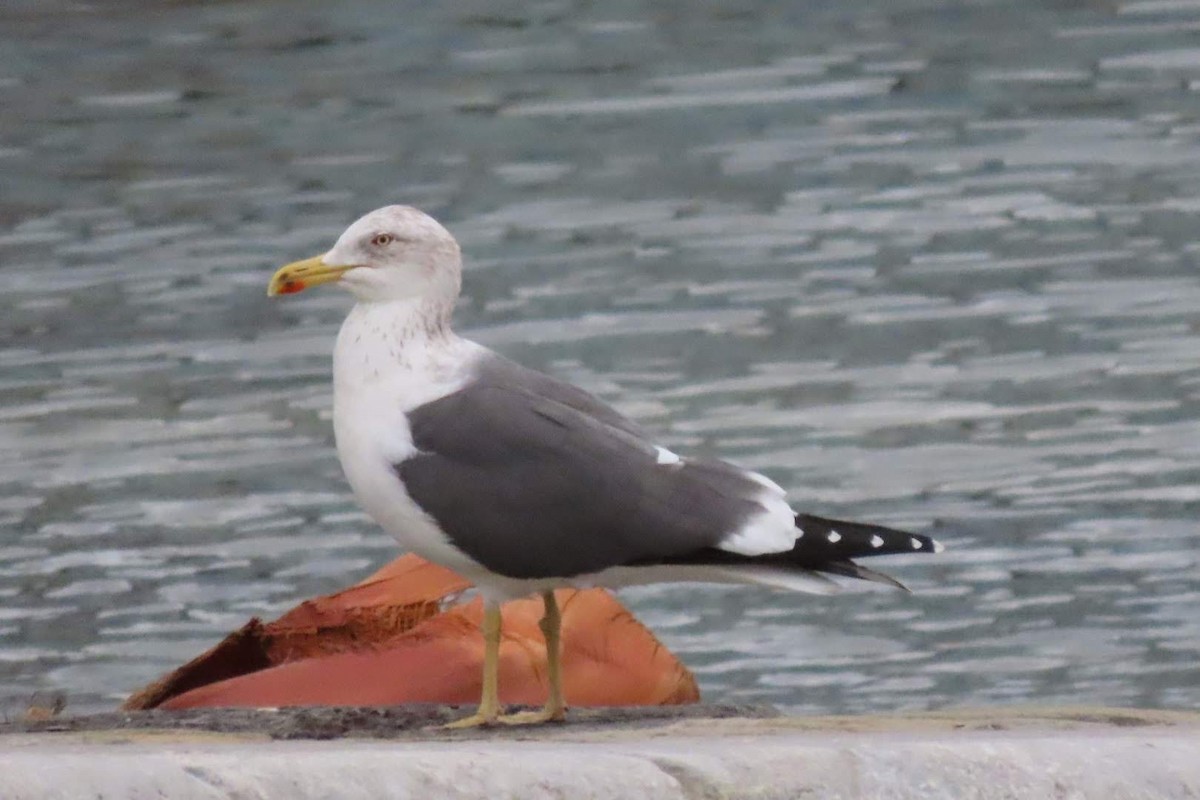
[
  {"x": 383, "y": 368},
  {"x": 370, "y": 442}
]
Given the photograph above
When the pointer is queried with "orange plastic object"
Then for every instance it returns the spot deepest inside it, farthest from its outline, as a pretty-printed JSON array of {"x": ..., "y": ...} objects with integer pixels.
[{"x": 387, "y": 640}]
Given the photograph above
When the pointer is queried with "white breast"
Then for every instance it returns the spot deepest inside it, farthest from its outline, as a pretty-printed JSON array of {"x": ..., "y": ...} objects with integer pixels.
[{"x": 380, "y": 373}]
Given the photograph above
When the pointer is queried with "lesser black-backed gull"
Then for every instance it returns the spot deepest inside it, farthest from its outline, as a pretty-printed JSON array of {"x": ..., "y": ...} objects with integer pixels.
[{"x": 523, "y": 483}]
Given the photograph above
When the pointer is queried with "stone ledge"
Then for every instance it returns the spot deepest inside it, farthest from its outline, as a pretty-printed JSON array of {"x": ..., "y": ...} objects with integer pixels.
[{"x": 1092, "y": 753}]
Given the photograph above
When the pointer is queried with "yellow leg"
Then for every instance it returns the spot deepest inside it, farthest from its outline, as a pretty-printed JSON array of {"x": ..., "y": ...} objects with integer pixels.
[
  {"x": 489, "y": 702},
  {"x": 555, "y": 709}
]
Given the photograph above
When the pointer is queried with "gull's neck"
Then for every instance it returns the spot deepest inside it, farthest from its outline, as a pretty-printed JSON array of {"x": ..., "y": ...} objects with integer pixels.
[{"x": 404, "y": 348}]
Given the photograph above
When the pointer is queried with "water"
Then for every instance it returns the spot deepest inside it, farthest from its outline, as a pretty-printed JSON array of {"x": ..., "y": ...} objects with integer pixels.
[{"x": 925, "y": 264}]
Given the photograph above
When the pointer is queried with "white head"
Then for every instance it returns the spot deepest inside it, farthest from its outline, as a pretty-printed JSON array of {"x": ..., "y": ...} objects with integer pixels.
[{"x": 392, "y": 253}]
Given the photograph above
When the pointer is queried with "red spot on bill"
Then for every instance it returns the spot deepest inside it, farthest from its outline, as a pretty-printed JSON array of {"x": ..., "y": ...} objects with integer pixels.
[{"x": 291, "y": 287}]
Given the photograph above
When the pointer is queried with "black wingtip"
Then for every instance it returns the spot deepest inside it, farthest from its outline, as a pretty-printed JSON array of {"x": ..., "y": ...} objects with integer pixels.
[
  {"x": 825, "y": 546},
  {"x": 823, "y": 539}
]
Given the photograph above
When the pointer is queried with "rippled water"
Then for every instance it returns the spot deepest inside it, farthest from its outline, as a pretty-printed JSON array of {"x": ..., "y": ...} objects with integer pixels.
[{"x": 923, "y": 264}]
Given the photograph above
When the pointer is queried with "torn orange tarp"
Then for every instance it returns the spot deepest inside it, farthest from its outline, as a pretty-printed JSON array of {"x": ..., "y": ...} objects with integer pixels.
[{"x": 388, "y": 640}]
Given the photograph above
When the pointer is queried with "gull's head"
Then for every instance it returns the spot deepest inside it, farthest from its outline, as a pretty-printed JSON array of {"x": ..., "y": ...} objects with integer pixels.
[{"x": 392, "y": 253}]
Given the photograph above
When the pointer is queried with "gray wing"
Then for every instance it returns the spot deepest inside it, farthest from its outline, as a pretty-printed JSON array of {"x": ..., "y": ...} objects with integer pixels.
[
  {"x": 495, "y": 370},
  {"x": 532, "y": 477}
]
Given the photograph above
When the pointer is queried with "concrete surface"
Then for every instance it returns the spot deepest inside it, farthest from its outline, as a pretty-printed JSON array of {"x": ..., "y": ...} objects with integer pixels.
[{"x": 1094, "y": 754}]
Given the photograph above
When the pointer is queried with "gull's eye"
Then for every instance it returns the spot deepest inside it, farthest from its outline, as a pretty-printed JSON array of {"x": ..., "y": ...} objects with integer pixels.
[{"x": 382, "y": 239}]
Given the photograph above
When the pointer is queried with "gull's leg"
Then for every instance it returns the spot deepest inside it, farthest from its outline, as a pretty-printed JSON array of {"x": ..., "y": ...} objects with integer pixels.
[
  {"x": 489, "y": 702},
  {"x": 555, "y": 709}
]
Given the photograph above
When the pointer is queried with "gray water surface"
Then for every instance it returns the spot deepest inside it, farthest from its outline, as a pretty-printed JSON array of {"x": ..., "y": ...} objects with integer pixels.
[{"x": 923, "y": 264}]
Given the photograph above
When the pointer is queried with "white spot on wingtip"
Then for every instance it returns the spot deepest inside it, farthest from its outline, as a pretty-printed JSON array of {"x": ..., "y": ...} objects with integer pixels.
[
  {"x": 666, "y": 457},
  {"x": 915, "y": 542},
  {"x": 938, "y": 546},
  {"x": 877, "y": 541},
  {"x": 834, "y": 537}
]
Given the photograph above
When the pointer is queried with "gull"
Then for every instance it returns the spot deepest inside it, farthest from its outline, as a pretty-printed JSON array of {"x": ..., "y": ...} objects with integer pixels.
[{"x": 523, "y": 483}]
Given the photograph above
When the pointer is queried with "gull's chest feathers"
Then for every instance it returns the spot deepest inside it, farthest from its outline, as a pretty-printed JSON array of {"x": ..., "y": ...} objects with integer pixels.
[{"x": 385, "y": 364}]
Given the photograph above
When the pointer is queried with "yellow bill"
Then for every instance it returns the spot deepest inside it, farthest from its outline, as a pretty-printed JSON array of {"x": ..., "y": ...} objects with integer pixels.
[{"x": 300, "y": 275}]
